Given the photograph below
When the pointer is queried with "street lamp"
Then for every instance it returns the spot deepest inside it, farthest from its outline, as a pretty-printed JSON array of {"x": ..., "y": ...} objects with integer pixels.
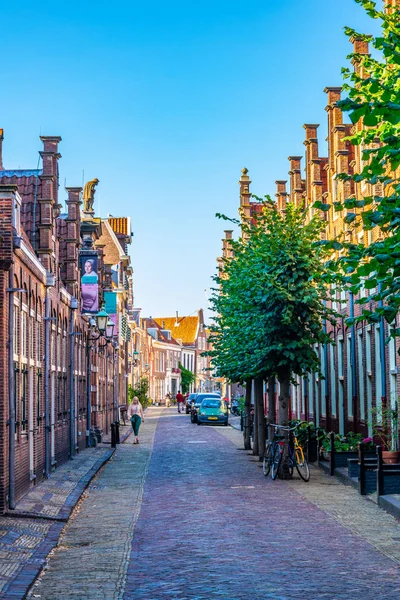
[
  {"x": 109, "y": 330},
  {"x": 102, "y": 319},
  {"x": 100, "y": 327}
]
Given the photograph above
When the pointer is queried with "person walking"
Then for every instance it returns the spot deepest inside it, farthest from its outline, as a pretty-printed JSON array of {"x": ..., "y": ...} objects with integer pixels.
[
  {"x": 180, "y": 400},
  {"x": 136, "y": 416}
]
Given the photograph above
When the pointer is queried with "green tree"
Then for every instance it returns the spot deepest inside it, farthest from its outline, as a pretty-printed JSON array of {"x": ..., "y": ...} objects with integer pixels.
[
  {"x": 270, "y": 303},
  {"x": 187, "y": 378},
  {"x": 373, "y": 104},
  {"x": 141, "y": 390}
]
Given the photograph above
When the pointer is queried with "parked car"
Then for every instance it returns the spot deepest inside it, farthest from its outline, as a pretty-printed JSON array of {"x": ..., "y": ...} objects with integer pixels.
[
  {"x": 213, "y": 410},
  {"x": 189, "y": 402},
  {"x": 196, "y": 404}
]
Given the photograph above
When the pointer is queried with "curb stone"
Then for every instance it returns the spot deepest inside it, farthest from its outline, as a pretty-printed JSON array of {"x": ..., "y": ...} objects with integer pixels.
[{"x": 28, "y": 572}]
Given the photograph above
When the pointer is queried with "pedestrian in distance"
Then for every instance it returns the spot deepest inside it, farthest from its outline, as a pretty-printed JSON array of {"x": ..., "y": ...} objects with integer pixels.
[
  {"x": 180, "y": 400},
  {"x": 136, "y": 417}
]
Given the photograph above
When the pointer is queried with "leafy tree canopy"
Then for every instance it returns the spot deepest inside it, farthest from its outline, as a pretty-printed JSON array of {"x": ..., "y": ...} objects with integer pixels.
[
  {"x": 187, "y": 378},
  {"x": 373, "y": 104},
  {"x": 141, "y": 390},
  {"x": 270, "y": 300}
]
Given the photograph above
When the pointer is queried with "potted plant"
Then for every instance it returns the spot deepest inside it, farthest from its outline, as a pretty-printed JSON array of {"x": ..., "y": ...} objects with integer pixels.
[
  {"x": 385, "y": 429},
  {"x": 346, "y": 446}
]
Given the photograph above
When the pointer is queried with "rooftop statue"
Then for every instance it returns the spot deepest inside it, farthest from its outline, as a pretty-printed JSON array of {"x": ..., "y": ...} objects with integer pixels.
[{"x": 88, "y": 195}]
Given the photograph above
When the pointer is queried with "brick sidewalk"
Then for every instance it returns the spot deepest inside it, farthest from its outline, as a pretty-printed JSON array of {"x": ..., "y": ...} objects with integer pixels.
[{"x": 30, "y": 532}]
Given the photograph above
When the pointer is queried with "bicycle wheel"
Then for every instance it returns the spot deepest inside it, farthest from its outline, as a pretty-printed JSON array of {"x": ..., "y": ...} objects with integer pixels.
[
  {"x": 276, "y": 461},
  {"x": 302, "y": 465},
  {"x": 267, "y": 460}
]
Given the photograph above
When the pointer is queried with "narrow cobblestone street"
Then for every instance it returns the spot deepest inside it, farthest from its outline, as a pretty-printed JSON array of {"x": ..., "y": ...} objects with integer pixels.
[{"x": 187, "y": 515}]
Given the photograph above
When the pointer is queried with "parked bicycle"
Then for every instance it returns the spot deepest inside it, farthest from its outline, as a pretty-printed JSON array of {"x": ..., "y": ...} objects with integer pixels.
[{"x": 274, "y": 453}]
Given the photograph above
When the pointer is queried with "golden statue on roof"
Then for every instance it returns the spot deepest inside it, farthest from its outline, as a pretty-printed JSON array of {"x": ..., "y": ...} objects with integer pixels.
[{"x": 88, "y": 195}]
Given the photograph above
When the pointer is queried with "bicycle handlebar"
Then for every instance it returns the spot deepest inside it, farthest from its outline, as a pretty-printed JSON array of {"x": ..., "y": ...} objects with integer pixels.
[{"x": 284, "y": 427}]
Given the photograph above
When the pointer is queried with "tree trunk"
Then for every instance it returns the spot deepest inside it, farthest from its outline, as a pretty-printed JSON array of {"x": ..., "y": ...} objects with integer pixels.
[
  {"x": 255, "y": 421},
  {"x": 246, "y": 416},
  {"x": 284, "y": 388},
  {"x": 271, "y": 406},
  {"x": 259, "y": 402},
  {"x": 284, "y": 398}
]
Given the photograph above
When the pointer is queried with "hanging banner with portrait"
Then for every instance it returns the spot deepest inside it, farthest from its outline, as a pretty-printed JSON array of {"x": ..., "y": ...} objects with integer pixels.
[{"x": 89, "y": 283}]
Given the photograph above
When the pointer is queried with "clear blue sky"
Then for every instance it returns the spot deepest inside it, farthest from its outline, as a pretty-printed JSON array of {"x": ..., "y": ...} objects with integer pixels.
[{"x": 165, "y": 102}]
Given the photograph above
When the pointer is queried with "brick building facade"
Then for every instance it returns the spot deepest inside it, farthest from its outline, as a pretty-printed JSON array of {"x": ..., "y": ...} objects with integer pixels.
[
  {"x": 360, "y": 370},
  {"x": 44, "y": 390}
]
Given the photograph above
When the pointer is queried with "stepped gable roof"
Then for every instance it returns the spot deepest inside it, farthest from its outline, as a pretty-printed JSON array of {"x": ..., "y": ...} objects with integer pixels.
[
  {"x": 29, "y": 188},
  {"x": 181, "y": 328},
  {"x": 150, "y": 323}
]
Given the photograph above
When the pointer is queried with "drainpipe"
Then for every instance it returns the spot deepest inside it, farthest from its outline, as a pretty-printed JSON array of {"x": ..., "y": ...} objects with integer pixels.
[
  {"x": 327, "y": 411},
  {"x": 382, "y": 351},
  {"x": 353, "y": 365},
  {"x": 106, "y": 354},
  {"x": 11, "y": 392},
  {"x": 116, "y": 386},
  {"x": 71, "y": 385},
  {"x": 46, "y": 384},
  {"x": 126, "y": 367},
  {"x": 88, "y": 405},
  {"x": 305, "y": 396}
]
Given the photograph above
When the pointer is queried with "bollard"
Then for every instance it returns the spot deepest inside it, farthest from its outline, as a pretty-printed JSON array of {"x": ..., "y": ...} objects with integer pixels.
[
  {"x": 361, "y": 479},
  {"x": 332, "y": 452},
  {"x": 380, "y": 482},
  {"x": 117, "y": 441},
  {"x": 113, "y": 438}
]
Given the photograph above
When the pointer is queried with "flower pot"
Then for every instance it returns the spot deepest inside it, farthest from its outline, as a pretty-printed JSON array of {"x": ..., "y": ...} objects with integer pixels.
[{"x": 391, "y": 457}]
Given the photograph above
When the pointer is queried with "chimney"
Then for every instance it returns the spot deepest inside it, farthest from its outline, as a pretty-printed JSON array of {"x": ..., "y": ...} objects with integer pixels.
[
  {"x": 244, "y": 183},
  {"x": 245, "y": 195},
  {"x": 72, "y": 240},
  {"x": 48, "y": 203},
  {"x": 1, "y": 149},
  {"x": 226, "y": 250},
  {"x": 360, "y": 46},
  {"x": 296, "y": 189},
  {"x": 311, "y": 144},
  {"x": 335, "y": 120},
  {"x": 281, "y": 194}
]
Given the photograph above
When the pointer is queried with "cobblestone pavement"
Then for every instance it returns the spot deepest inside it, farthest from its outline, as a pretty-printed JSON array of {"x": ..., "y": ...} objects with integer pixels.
[
  {"x": 25, "y": 539},
  {"x": 55, "y": 496},
  {"x": 92, "y": 556},
  {"x": 211, "y": 526}
]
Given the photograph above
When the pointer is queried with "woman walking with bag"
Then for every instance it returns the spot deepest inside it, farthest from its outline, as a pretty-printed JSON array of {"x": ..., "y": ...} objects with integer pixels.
[{"x": 136, "y": 416}]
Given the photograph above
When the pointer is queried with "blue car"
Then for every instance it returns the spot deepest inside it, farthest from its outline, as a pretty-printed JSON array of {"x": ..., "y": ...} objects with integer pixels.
[{"x": 213, "y": 411}]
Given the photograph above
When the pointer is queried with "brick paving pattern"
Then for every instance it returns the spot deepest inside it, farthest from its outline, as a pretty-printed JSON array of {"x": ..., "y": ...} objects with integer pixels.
[
  {"x": 92, "y": 557},
  {"x": 212, "y": 526},
  {"x": 25, "y": 539},
  {"x": 55, "y": 497},
  {"x": 208, "y": 525}
]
